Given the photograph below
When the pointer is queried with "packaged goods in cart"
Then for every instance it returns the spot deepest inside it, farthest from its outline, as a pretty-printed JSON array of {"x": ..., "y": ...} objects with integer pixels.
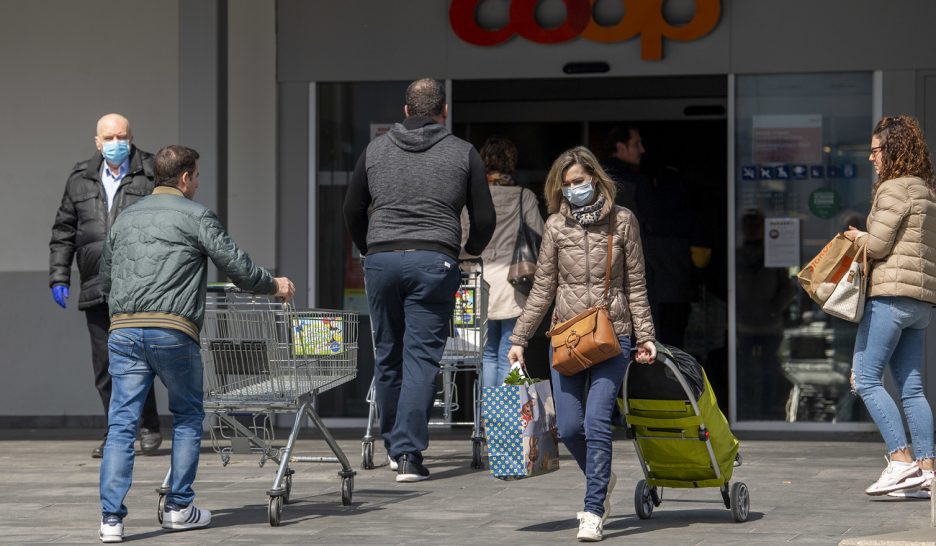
[{"x": 317, "y": 336}]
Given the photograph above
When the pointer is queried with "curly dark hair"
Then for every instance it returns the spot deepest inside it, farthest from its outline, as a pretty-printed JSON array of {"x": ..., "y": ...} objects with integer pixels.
[
  {"x": 903, "y": 151},
  {"x": 499, "y": 155}
]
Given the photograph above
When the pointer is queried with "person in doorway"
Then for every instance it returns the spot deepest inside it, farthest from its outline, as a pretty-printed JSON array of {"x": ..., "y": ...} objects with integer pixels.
[
  {"x": 766, "y": 292},
  {"x": 403, "y": 209},
  {"x": 505, "y": 302},
  {"x": 571, "y": 271},
  {"x": 623, "y": 152},
  {"x": 901, "y": 292},
  {"x": 154, "y": 272},
  {"x": 97, "y": 191}
]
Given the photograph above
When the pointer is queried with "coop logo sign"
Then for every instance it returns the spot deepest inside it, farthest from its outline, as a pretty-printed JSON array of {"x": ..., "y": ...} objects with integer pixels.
[{"x": 642, "y": 17}]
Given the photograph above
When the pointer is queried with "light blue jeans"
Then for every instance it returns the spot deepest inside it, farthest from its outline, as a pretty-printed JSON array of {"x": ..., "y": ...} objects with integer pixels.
[
  {"x": 137, "y": 357},
  {"x": 494, "y": 363},
  {"x": 583, "y": 416},
  {"x": 892, "y": 332}
]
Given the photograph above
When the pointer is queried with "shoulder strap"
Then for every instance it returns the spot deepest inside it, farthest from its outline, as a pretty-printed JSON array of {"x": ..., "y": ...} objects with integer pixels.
[{"x": 607, "y": 280}]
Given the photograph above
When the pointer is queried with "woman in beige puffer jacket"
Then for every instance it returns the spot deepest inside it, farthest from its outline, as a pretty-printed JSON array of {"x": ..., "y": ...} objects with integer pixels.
[
  {"x": 901, "y": 243},
  {"x": 571, "y": 271}
]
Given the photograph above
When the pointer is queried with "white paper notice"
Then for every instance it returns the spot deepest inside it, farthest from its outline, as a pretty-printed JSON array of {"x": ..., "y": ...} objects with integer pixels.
[{"x": 781, "y": 242}]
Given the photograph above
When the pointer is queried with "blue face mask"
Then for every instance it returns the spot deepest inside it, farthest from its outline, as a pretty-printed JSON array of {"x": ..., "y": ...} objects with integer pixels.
[
  {"x": 116, "y": 151},
  {"x": 579, "y": 195}
]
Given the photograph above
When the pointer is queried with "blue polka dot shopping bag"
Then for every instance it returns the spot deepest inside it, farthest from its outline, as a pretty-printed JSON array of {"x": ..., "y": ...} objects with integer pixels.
[{"x": 520, "y": 425}]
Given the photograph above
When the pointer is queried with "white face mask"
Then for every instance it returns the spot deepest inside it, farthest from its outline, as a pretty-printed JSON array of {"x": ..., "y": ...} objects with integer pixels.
[{"x": 579, "y": 195}]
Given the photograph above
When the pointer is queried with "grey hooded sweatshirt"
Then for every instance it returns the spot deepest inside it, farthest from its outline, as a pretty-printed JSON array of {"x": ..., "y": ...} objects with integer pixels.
[{"x": 416, "y": 179}]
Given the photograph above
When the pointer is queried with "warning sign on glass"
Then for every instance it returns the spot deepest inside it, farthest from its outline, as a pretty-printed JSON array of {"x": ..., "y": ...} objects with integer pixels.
[{"x": 787, "y": 138}]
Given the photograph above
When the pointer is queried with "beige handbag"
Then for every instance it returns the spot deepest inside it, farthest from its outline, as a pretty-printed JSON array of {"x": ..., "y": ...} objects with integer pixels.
[
  {"x": 589, "y": 337},
  {"x": 847, "y": 300}
]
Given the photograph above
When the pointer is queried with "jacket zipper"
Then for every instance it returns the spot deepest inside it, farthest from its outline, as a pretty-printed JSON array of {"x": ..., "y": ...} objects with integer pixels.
[{"x": 587, "y": 268}]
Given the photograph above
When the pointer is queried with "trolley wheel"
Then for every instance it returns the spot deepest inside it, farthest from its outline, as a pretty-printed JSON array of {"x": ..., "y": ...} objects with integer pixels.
[
  {"x": 367, "y": 455},
  {"x": 160, "y": 506},
  {"x": 740, "y": 502},
  {"x": 643, "y": 501},
  {"x": 738, "y": 460},
  {"x": 347, "y": 490},
  {"x": 275, "y": 510},
  {"x": 476, "y": 454},
  {"x": 287, "y": 482}
]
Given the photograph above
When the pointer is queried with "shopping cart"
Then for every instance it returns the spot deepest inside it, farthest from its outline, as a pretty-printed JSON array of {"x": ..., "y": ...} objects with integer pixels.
[
  {"x": 462, "y": 354},
  {"x": 261, "y": 358}
]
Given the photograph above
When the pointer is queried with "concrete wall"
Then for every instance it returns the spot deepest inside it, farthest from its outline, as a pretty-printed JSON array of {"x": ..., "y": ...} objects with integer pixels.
[{"x": 62, "y": 74}]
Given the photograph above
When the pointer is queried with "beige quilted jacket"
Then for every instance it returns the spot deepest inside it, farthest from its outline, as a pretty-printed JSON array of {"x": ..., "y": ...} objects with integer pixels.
[
  {"x": 902, "y": 240},
  {"x": 571, "y": 271}
]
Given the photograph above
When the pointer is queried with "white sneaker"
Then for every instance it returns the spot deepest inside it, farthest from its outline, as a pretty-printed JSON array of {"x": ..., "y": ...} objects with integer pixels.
[
  {"x": 897, "y": 476},
  {"x": 607, "y": 503},
  {"x": 190, "y": 517},
  {"x": 111, "y": 529},
  {"x": 921, "y": 492},
  {"x": 394, "y": 465},
  {"x": 590, "y": 527}
]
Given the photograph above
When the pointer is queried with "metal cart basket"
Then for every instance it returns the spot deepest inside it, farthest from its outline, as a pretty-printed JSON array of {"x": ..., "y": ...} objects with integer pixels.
[
  {"x": 462, "y": 354},
  {"x": 262, "y": 357}
]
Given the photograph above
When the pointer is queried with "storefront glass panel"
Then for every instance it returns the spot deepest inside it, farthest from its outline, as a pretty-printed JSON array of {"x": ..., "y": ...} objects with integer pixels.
[{"x": 801, "y": 176}]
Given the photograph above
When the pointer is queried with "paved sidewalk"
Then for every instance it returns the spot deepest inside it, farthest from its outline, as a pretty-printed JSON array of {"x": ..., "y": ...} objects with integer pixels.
[{"x": 808, "y": 492}]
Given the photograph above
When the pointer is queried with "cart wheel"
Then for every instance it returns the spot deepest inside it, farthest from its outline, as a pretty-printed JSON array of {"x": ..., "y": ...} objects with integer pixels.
[
  {"x": 740, "y": 502},
  {"x": 655, "y": 496},
  {"x": 643, "y": 502},
  {"x": 476, "y": 454},
  {"x": 225, "y": 459},
  {"x": 726, "y": 497},
  {"x": 367, "y": 455},
  {"x": 288, "y": 486},
  {"x": 347, "y": 490},
  {"x": 275, "y": 510},
  {"x": 160, "y": 506},
  {"x": 738, "y": 460}
]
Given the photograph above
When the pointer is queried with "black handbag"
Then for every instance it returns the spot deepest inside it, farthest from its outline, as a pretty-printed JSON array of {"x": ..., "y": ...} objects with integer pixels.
[{"x": 526, "y": 249}]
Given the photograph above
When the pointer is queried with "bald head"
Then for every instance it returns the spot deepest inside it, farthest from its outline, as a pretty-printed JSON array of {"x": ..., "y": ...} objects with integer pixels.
[{"x": 113, "y": 124}]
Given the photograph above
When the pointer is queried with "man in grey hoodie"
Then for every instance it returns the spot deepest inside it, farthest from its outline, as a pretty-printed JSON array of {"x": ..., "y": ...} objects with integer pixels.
[{"x": 415, "y": 179}]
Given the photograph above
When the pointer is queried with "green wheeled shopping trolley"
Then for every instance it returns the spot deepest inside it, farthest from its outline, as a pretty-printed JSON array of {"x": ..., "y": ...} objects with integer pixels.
[{"x": 680, "y": 435}]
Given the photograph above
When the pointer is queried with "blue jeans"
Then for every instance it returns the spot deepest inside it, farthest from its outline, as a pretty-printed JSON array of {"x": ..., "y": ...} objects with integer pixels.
[
  {"x": 494, "y": 363},
  {"x": 892, "y": 331},
  {"x": 137, "y": 356},
  {"x": 583, "y": 417},
  {"x": 411, "y": 296}
]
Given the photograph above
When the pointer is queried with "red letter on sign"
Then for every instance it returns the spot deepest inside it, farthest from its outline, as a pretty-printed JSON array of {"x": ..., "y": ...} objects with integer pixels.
[
  {"x": 523, "y": 19},
  {"x": 465, "y": 25}
]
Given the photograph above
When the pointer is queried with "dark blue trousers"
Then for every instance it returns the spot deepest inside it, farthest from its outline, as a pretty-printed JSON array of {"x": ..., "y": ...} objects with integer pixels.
[{"x": 411, "y": 295}]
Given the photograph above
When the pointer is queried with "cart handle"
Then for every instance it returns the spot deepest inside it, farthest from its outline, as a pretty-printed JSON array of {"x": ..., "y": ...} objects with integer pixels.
[{"x": 222, "y": 288}]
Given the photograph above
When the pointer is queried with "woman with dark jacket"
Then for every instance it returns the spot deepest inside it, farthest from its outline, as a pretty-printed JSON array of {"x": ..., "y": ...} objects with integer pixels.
[
  {"x": 571, "y": 271},
  {"x": 901, "y": 242}
]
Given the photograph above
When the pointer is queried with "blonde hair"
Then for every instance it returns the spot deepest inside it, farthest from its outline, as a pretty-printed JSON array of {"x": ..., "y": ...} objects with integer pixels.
[{"x": 583, "y": 157}]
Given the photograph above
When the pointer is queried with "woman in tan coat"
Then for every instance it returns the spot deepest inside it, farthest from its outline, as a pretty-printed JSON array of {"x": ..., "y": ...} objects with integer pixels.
[
  {"x": 571, "y": 271},
  {"x": 901, "y": 241},
  {"x": 504, "y": 301}
]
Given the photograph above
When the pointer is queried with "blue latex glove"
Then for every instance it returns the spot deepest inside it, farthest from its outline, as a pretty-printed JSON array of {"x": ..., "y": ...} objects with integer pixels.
[{"x": 60, "y": 294}]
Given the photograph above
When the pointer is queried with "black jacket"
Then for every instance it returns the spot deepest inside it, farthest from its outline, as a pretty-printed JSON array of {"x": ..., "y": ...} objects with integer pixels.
[{"x": 82, "y": 220}]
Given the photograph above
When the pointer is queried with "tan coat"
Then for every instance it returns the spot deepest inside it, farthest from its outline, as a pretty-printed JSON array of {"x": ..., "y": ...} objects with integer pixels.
[
  {"x": 902, "y": 240},
  {"x": 504, "y": 301},
  {"x": 571, "y": 271}
]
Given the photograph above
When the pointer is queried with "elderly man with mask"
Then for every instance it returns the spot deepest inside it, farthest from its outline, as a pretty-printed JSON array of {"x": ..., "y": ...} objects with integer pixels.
[{"x": 97, "y": 190}]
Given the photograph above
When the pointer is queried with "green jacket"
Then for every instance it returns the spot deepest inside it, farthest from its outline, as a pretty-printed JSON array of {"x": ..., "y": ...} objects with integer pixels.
[{"x": 154, "y": 269}]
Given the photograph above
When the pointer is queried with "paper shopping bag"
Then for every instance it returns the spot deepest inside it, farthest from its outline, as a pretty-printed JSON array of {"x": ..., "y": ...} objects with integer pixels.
[
  {"x": 520, "y": 425},
  {"x": 819, "y": 277}
]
